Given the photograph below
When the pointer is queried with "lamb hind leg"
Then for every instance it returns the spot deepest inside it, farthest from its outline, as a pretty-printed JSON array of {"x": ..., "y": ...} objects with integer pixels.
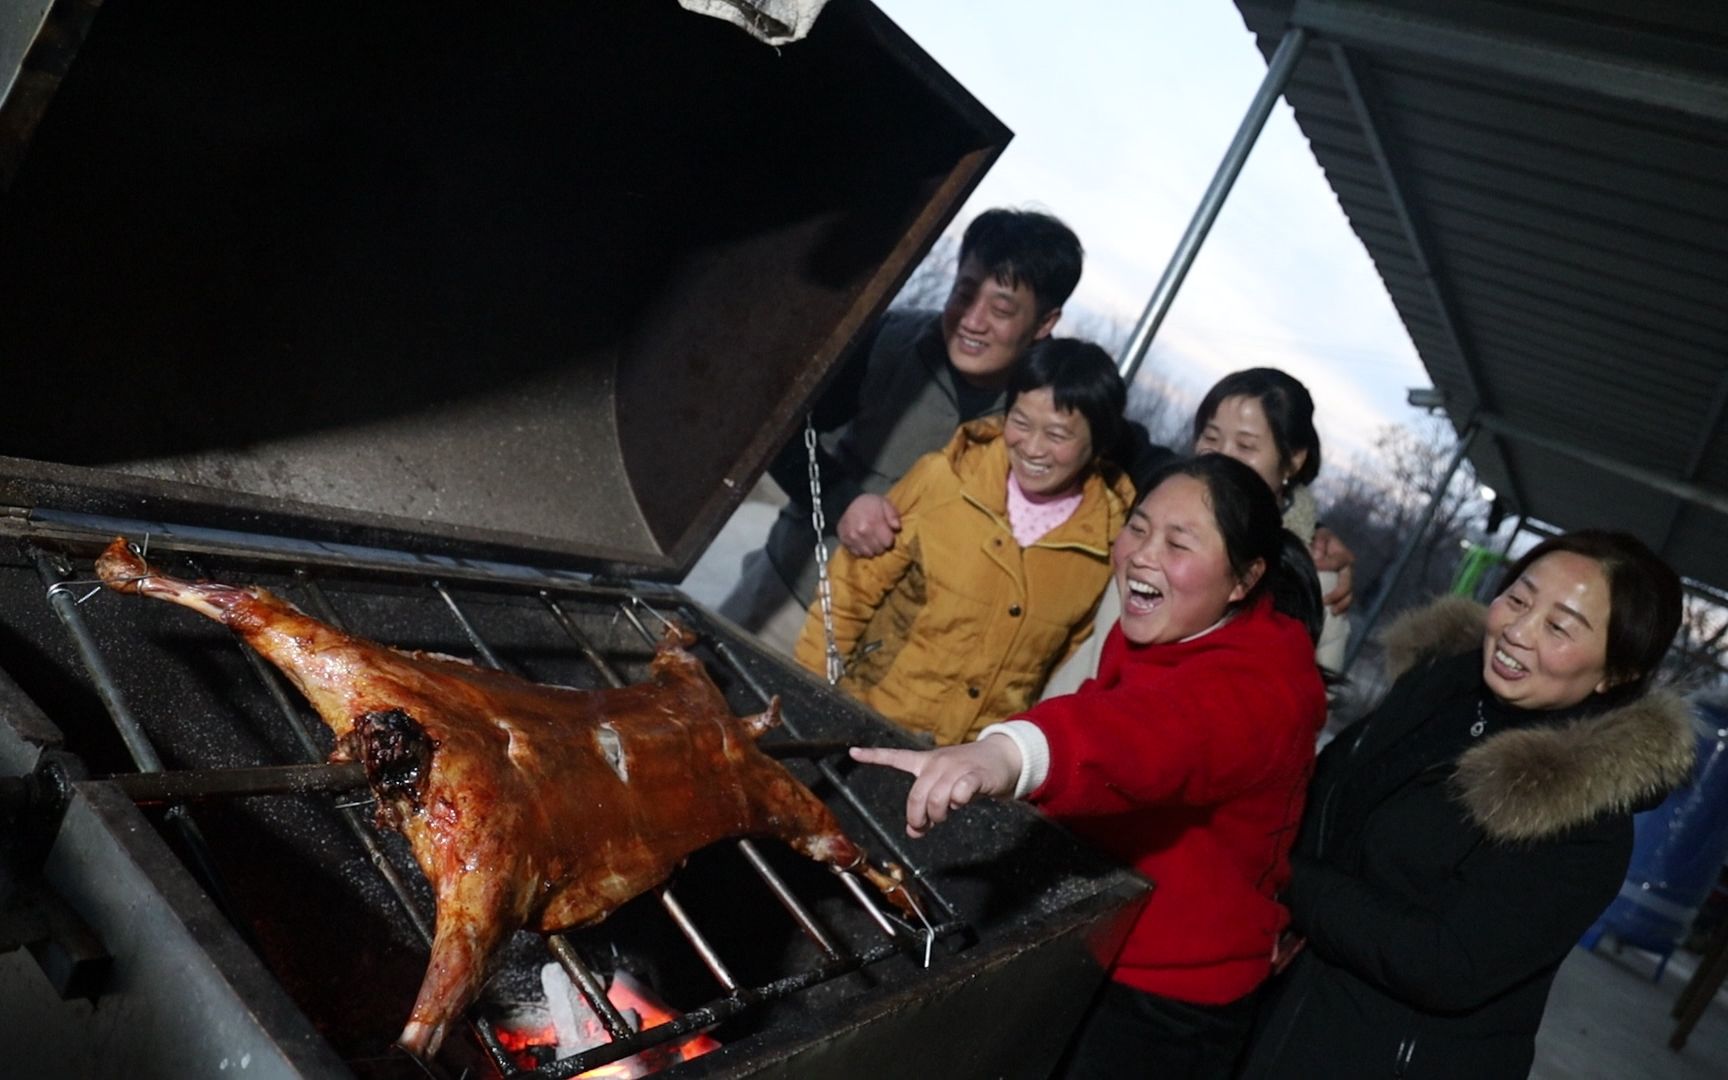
[
  {"x": 792, "y": 814},
  {"x": 463, "y": 942}
]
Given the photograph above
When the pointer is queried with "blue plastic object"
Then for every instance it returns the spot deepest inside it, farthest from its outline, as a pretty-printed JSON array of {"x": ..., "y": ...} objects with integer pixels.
[{"x": 1677, "y": 853}]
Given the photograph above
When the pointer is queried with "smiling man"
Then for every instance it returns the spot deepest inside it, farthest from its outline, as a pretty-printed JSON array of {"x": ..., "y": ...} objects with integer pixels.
[{"x": 917, "y": 377}]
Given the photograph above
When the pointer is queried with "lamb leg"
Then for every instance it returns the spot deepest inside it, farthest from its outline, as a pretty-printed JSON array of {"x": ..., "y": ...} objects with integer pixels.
[
  {"x": 471, "y": 924},
  {"x": 788, "y": 811}
]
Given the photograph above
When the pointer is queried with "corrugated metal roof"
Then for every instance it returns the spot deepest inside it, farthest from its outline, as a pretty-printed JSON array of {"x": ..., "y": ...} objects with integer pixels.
[{"x": 1544, "y": 189}]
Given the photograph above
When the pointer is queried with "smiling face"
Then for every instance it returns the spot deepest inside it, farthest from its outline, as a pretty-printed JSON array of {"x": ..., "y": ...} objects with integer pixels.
[
  {"x": 988, "y": 325},
  {"x": 1239, "y": 429},
  {"x": 1172, "y": 568},
  {"x": 1547, "y": 640},
  {"x": 1048, "y": 448}
]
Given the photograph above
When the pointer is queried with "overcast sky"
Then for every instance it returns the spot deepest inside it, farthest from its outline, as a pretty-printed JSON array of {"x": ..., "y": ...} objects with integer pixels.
[{"x": 1121, "y": 112}]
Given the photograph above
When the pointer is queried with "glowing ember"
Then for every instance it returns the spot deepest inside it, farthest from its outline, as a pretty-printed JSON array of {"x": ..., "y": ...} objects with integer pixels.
[
  {"x": 529, "y": 1038},
  {"x": 517, "y": 1040}
]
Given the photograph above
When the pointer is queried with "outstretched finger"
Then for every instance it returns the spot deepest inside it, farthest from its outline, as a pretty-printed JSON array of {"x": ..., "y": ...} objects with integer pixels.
[{"x": 908, "y": 761}]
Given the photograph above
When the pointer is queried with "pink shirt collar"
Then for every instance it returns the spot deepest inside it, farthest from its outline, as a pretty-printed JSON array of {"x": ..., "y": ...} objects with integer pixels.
[{"x": 1030, "y": 520}]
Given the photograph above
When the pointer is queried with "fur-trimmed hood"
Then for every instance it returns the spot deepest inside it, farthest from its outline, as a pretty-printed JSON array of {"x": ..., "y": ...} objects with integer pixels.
[{"x": 1533, "y": 782}]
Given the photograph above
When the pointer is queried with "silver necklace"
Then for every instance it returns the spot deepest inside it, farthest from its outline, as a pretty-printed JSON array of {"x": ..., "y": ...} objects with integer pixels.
[{"x": 1481, "y": 723}]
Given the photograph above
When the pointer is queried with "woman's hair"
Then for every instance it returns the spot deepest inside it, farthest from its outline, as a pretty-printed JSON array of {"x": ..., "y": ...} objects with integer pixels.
[
  {"x": 1247, "y": 516},
  {"x": 1289, "y": 413},
  {"x": 1644, "y": 602},
  {"x": 1082, "y": 378}
]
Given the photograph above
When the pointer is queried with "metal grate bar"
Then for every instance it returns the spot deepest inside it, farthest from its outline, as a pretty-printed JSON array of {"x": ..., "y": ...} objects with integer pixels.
[
  {"x": 787, "y": 898},
  {"x": 711, "y": 958},
  {"x": 137, "y": 742},
  {"x": 284, "y": 704},
  {"x": 721, "y": 1009},
  {"x": 136, "y": 739},
  {"x": 583, "y": 645},
  {"x": 468, "y": 629},
  {"x": 587, "y": 983},
  {"x": 589, "y": 986},
  {"x": 864, "y": 899}
]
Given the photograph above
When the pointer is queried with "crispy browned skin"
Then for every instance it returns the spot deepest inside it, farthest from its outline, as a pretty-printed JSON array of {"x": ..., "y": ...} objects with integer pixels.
[{"x": 525, "y": 805}]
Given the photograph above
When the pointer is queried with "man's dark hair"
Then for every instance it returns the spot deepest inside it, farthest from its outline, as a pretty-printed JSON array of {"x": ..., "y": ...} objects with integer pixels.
[
  {"x": 1645, "y": 602},
  {"x": 1082, "y": 378},
  {"x": 1289, "y": 413},
  {"x": 1026, "y": 247}
]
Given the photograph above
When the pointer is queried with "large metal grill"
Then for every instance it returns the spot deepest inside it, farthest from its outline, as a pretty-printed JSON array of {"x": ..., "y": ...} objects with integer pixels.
[{"x": 750, "y": 941}]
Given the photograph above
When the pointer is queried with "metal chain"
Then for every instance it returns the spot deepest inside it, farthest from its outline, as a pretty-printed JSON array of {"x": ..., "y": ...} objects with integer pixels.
[{"x": 835, "y": 664}]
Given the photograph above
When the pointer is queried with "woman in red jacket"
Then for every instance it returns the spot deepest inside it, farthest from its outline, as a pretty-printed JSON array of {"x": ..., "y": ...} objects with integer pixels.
[{"x": 1187, "y": 757}]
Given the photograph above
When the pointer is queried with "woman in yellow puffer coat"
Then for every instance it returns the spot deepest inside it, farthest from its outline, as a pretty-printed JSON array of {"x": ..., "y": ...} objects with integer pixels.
[{"x": 1002, "y": 555}]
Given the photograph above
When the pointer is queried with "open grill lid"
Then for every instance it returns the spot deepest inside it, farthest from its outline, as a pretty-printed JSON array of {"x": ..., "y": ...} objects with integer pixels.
[{"x": 546, "y": 281}]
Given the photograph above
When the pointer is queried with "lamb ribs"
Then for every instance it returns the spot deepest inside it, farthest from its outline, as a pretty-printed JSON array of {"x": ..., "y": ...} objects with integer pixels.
[{"x": 525, "y": 805}]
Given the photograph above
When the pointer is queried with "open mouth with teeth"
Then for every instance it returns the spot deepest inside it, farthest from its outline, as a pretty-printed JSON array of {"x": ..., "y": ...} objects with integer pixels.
[
  {"x": 1143, "y": 597},
  {"x": 1506, "y": 665}
]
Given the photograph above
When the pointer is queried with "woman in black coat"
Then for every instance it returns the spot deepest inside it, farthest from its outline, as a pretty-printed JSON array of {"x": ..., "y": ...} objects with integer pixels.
[{"x": 1461, "y": 838}]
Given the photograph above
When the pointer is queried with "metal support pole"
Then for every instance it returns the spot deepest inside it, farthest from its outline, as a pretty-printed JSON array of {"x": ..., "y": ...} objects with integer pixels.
[
  {"x": 1391, "y": 577},
  {"x": 1710, "y": 498},
  {"x": 1278, "y": 72}
]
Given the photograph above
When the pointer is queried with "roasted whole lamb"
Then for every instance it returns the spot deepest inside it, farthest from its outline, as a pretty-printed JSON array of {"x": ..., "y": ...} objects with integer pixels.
[{"x": 525, "y": 805}]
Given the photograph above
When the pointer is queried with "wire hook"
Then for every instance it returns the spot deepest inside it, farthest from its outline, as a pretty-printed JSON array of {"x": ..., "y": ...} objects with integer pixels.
[
  {"x": 665, "y": 623},
  {"x": 67, "y": 586}
]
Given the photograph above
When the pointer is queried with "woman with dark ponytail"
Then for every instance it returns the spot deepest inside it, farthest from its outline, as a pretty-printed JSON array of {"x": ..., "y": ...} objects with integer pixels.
[{"x": 1187, "y": 757}]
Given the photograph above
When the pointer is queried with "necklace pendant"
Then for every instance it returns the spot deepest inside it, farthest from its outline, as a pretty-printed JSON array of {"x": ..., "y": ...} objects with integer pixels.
[{"x": 1477, "y": 728}]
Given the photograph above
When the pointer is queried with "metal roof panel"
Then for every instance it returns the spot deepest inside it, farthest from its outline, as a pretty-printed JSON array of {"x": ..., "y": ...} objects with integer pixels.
[{"x": 1542, "y": 190}]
